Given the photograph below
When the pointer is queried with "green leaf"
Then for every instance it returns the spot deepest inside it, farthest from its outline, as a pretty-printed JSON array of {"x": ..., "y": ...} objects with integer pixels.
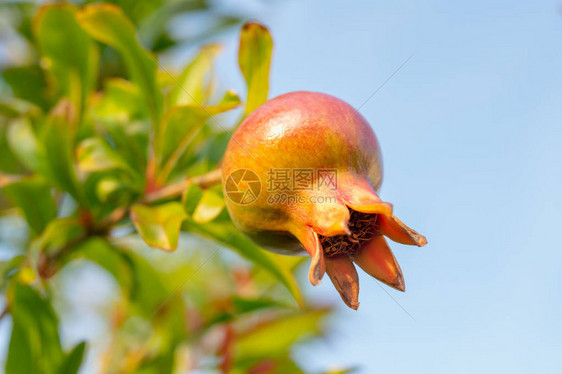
[
  {"x": 35, "y": 344},
  {"x": 241, "y": 306},
  {"x": 180, "y": 127},
  {"x": 213, "y": 150},
  {"x": 11, "y": 267},
  {"x": 110, "y": 190},
  {"x": 72, "y": 362},
  {"x": 157, "y": 15},
  {"x": 95, "y": 154},
  {"x": 59, "y": 233},
  {"x": 245, "y": 305},
  {"x": 193, "y": 85},
  {"x": 287, "y": 330},
  {"x": 24, "y": 144},
  {"x": 254, "y": 58},
  {"x": 115, "y": 262},
  {"x": 226, "y": 233},
  {"x": 150, "y": 289},
  {"x": 12, "y": 107},
  {"x": 9, "y": 162},
  {"x": 278, "y": 365},
  {"x": 33, "y": 196},
  {"x": 191, "y": 197},
  {"x": 121, "y": 101},
  {"x": 209, "y": 207},
  {"x": 155, "y": 298},
  {"x": 108, "y": 24},
  {"x": 68, "y": 53},
  {"x": 28, "y": 83},
  {"x": 58, "y": 135},
  {"x": 130, "y": 140},
  {"x": 159, "y": 226},
  {"x": 57, "y": 241}
]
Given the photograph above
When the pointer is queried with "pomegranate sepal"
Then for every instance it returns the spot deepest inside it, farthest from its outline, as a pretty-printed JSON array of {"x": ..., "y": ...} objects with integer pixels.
[
  {"x": 343, "y": 275},
  {"x": 377, "y": 260},
  {"x": 397, "y": 231},
  {"x": 358, "y": 195},
  {"x": 309, "y": 240}
]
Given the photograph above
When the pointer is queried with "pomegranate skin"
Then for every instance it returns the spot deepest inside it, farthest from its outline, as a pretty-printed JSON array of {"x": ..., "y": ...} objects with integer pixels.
[{"x": 339, "y": 221}]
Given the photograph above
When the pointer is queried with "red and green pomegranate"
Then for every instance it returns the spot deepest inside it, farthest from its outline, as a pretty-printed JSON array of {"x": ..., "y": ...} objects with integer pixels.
[{"x": 301, "y": 175}]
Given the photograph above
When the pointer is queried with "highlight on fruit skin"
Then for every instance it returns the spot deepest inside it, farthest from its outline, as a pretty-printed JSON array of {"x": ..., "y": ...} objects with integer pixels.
[{"x": 301, "y": 175}]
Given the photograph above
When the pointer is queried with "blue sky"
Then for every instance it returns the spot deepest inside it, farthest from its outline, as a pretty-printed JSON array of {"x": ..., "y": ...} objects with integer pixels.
[{"x": 471, "y": 135}]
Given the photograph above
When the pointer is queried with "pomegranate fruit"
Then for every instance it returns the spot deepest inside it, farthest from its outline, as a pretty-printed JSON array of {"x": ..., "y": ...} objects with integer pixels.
[{"x": 301, "y": 175}]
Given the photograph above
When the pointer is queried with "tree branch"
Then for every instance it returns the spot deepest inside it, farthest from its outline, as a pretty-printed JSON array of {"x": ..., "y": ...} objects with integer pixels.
[{"x": 174, "y": 190}]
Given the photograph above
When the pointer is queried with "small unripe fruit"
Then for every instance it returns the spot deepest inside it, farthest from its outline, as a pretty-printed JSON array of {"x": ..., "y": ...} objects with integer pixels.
[{"x": 301, "y": 174}]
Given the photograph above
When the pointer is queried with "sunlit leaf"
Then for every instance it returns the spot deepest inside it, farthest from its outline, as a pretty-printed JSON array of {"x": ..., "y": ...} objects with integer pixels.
[
  {"x": 35, "y": 344},
  {"x": 9, "y": 163},
  {"x": 58, "y": 135},
  {"x": 181, "y": 125},
  {"x": 111, "y": 189},
  {"x": 192, "y": 86},
  {"x": 159, "y": 226},
  {"x": 108, "y": 24},
  {"x": 68, "y": 53},
  {"x": 13, "y": 107},
  {"x": 27, "y": 275},
  {"x": 209, "y": 207},
  {"x": 24, "y": 144},
  {"x": 9, "y": 268},
  {"x": 35, "y": 200},
  {"x": 61, "y": 232},
  {"x": 254, "y": 58},
  {"x": 121, "y": 100},
  {"x": 95, "y": 154},
  {"x": 287, "y": 330},
  {"x": 226, "y": 233}
]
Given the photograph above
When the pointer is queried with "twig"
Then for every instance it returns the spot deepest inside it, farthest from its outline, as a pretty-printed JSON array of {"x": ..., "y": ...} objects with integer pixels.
[
  {"x": 173, "y": 190},
  {"x": 46, "y": 266}
]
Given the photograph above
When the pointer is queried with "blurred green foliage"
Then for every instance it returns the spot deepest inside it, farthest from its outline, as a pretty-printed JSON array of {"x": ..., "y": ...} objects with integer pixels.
[{"x": 100, "y": 147}]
